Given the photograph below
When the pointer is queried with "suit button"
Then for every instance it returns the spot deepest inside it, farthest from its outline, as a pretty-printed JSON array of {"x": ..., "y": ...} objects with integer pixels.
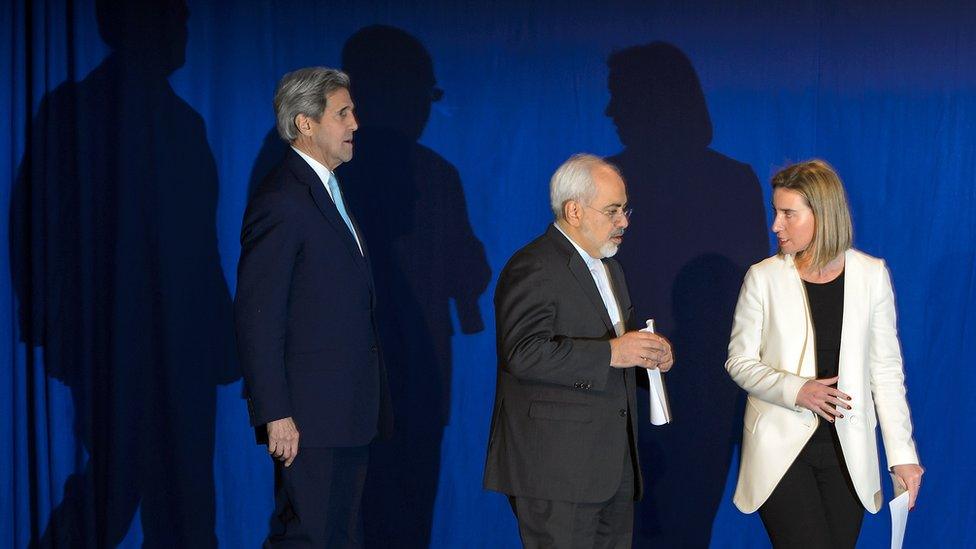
[
  {"x": 623, "y": 413},
  {"x": 852, "y": 419},
  {"x": 372, "y": 349},
  {"x": 587, "y": 386}
]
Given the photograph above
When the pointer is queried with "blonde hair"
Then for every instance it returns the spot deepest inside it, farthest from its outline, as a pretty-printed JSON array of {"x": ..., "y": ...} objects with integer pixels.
[{"x": 822, "y": 190}]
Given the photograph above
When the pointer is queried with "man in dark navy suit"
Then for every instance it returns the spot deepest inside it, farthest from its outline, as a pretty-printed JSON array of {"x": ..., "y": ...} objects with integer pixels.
[{"x": 314, "y": 375}]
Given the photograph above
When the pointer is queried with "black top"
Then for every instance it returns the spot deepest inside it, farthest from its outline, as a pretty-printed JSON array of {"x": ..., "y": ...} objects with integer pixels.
[{"x": 827, "y": 311}]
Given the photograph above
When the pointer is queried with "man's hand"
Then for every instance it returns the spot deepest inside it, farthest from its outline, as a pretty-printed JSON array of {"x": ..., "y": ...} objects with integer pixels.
[
  {"x": 818, "y": 396},
  {"x": 283, "y": 440},
  {"x": 642, "y": 349},
  {"x": 910, "y": 476}
]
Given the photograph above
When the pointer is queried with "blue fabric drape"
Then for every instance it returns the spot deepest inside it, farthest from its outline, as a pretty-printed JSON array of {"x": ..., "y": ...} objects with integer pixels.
[{"x": 133, "y": 132}]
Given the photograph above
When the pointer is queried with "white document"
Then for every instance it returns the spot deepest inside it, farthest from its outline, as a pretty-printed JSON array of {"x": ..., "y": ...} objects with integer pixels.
[
  {"x": 660, "y": 410},
  {"x": 899, "y": 519}
]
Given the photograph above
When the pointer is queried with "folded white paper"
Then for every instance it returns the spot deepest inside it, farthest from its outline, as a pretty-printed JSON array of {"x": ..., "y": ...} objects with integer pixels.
[
  {"x": 899, "y": 519},
  {"x": 660, "y": 410}
]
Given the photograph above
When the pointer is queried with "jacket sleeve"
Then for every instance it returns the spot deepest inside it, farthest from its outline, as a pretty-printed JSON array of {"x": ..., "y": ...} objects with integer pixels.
[
  {"x": 270, "y": 244},
  {"x": 745, "y": 363},
  {"x": 887, "y": 374},
  {"x": 528, "y": 345}
]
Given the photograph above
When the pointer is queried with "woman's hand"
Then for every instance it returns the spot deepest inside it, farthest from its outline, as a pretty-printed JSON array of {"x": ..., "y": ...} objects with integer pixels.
[
  {"x": 818, "y": 396},
  {"x": 910, "y": 476}
]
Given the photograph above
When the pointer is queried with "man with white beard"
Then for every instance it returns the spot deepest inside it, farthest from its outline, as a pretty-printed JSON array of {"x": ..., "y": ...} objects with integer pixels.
[{"x": 563, "y": 443}]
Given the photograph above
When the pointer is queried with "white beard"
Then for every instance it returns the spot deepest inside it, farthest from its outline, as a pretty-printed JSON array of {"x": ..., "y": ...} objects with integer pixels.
[{"x": 609, "y": 249}]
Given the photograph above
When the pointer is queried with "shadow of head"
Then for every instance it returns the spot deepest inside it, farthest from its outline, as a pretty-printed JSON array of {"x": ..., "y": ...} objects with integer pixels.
[
  {"x": 656, "y": 99},
  {"x": 393, "y": 79},
  {"x": 152, "y": 33}
]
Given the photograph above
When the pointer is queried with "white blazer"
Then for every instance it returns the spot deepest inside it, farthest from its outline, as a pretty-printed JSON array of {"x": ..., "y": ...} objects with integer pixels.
[{"x": 771, "y": 355}]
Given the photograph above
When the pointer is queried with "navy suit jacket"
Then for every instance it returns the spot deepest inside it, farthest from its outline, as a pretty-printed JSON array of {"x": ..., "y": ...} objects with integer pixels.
[{"x": 304, "y": 314}]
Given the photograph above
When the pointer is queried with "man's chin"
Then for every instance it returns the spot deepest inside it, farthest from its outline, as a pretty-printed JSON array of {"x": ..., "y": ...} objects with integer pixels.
[{"x": 609, "y": 249}]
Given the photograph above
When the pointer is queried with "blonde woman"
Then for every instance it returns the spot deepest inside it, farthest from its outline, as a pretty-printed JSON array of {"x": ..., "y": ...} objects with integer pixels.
[{"x": 814, "y": 344}]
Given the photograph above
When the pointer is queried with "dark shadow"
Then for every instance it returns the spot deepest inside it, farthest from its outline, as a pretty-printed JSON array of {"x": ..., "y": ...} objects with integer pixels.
[
  {"x": 698, "y": 223},
  {"x": 410, "y": 206},
  {"x": 272, "y": 152},
  {"x": 116, "y": 267},
  {"x": 425, "y": 257}
]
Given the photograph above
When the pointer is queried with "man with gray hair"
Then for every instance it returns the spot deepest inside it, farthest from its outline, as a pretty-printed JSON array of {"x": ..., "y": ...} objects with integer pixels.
[
  {"x": 563, "y": 442},
  {"x": 313, "y": 370}
]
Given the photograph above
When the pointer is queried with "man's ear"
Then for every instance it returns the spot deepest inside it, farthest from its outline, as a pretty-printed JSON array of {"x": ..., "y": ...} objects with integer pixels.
[
  {"x": 304, "y": 124},
  {"x": 573, "y": 212}
]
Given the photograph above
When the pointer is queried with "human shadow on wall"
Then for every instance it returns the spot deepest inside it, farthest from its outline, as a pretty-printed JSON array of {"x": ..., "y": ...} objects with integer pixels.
[
  {"x": 410, "y": 206},
  {"x": 118, "y": 277},
  {"x": 698, "y": 224}
]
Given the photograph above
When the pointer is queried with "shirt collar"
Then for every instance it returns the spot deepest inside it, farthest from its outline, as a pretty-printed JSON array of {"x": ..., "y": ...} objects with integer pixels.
[
  {"x": 323, "y": 172},
  {"x": 591, "y": 262}
]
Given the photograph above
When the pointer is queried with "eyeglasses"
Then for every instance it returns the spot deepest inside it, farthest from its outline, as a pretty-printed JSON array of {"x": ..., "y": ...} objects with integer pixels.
[{"x": 616, "y": 214}]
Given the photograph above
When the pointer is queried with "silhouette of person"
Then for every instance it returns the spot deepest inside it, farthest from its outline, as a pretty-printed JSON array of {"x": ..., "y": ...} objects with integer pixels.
[
  {"x": 701, "y": 224},
  {"x": 426, "y": 256},
  {"x": 116, "y": 268}
]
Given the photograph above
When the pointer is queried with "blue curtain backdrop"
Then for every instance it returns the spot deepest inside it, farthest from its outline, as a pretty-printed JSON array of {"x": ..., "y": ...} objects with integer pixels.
[{"x": 131, "y": 137}]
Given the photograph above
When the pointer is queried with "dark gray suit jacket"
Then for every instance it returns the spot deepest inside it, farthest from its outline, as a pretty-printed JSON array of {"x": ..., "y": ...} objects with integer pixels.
[{"x": 559, "y": 427}]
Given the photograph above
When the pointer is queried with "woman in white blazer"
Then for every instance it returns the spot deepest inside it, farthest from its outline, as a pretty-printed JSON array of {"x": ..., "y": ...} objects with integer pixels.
[{"x": 815, "y": 345}]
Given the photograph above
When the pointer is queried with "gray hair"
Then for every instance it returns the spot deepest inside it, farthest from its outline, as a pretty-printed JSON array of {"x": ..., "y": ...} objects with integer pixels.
[
  {"x": 573, "y": 180},
  {"x": 304, "y": 92}
]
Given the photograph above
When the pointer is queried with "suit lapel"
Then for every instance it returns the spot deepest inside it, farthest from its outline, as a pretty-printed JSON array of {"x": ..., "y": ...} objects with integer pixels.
[
  {"x": 324, "y": 203},
  {"x": 801, "y": 316},
  {"x": 586, "y": 282},
  {"x": 854, "y": 300},
  {"x": 364, "y": 256},
  {"x": 582, "y": 274},
  {"x": 331, "y": 213}
]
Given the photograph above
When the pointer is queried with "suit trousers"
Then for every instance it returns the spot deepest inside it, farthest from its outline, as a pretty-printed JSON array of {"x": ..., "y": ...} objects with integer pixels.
[
  {"x": 318, "y": 499},
  {"x": 814, "y": 506},
  {"x": 565, "y": 524}
]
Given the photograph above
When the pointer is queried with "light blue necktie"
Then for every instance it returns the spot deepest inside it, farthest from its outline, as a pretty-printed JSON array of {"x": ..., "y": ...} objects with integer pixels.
[{"x": 340, "y": 204}]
